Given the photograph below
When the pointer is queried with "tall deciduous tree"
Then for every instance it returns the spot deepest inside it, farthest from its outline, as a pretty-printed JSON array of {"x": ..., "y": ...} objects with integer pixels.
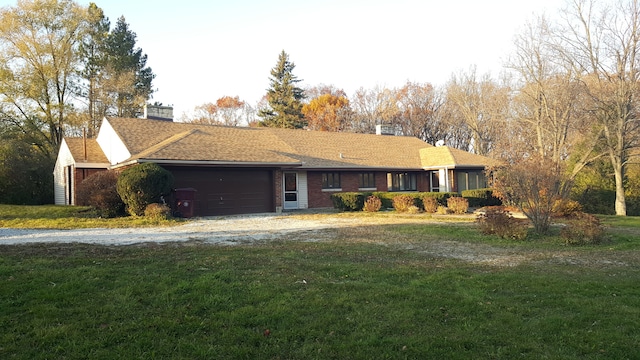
[
  {"x": 227, "y": 110},
  {"x": 284, "y": 97},
  {"x": 326, "y": 112},
  {"x": 419, "y": 113},
  {"x": 602, "y": 42},
  {"x": 549, "y": 108},
  {"x": 372, "y": 107},
  {"x": 39, "y": 61},
  {"x": 482, "y": 105}
]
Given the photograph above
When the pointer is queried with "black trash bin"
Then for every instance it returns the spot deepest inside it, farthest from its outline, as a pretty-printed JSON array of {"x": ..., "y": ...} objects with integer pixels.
[{"x": 185, "y": 202}]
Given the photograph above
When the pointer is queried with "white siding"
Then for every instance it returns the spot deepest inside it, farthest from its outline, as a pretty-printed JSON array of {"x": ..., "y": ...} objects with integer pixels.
[
  {"x": 59, "y": 178},
  {"x": 111, "y": 144},
  {"x": 303, "y": 190}
]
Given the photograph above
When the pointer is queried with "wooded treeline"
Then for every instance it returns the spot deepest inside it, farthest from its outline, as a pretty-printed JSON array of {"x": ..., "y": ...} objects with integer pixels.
[
  {"x": 568, "y": 93},
  {"x": 63, "y": 67}
]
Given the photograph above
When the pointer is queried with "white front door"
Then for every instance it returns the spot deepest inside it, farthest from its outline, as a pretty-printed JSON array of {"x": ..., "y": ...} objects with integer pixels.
[{"x": 290, "y": 186}]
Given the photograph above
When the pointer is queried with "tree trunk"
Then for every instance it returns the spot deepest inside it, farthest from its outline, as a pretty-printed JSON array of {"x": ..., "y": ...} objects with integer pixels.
[{"x": 621, "y": 204}]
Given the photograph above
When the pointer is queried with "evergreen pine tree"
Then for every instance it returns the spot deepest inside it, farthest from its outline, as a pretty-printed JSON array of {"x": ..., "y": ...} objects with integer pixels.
[
  {"x": 284, "y": 97},
  {"x": 128, "y": 66}
]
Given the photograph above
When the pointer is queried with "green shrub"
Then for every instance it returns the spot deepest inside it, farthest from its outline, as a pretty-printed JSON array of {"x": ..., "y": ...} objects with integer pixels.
[
  {"x": 458, "y": 205},
  {"x": 348, "y": 201},
  {"x": 402, "y": 203},
  {"x": 430, "y": 204},
  {"x": 157, "y": 211},
  {"x": 386, "y": 198},
  {"x": 373, "y": 204},
  {"x": 481, "y": 197},
  {"x": 99, "y": 190},
  {"x": 596, "y": 201},
  {"x": 142, "y": 185},
  {"x": 583, "y": 229},
  {"x": 498, "y": 221}
]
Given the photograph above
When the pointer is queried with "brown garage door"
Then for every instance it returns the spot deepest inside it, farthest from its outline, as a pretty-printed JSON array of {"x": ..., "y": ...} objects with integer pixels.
[{"x": 227, "y": 191}]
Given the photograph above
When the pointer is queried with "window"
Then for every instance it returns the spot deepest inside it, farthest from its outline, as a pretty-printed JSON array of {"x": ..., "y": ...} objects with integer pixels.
[
  {"x": 470, "y": 180},
  {"x": 366, "y": 180},
  {"x": 331, "y": 180},
  {"x": 402, "y": 182}
]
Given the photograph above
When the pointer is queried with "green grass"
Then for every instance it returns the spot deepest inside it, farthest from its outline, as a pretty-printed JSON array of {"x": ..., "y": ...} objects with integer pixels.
[
  {"x": 67, "y": 217},
  {"x": 374, "y": 292}
]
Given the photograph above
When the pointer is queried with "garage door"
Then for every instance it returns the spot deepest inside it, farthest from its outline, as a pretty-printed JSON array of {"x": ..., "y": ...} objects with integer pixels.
[{"x": 225, "y": 192}]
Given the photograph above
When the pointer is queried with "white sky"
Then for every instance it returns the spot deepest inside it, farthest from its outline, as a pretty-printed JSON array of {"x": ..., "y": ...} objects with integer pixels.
[{"x": 203, "y": 50}]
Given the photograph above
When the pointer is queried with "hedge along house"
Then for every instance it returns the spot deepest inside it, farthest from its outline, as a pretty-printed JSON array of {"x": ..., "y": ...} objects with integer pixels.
[{"x": 235, "y": 170}]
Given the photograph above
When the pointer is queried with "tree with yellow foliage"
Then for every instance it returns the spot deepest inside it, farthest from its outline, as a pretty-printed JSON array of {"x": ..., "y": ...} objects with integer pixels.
[{"x": 326, "y": 112}]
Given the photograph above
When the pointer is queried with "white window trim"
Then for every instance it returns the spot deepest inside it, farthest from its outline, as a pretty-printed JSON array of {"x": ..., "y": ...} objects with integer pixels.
[{"x": 332, "y": 190}]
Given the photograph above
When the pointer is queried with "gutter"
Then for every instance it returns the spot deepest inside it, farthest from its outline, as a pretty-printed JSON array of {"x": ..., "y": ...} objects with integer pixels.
[{"x": 205, "y": 163}]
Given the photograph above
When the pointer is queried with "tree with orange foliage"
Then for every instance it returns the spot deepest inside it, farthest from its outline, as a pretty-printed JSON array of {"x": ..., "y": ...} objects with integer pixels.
[
  {"x": 229, "y": 111},
  {"x": 326, "y": 112}
]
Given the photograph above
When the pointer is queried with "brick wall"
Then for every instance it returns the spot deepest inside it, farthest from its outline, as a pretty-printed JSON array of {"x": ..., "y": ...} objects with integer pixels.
[
  {"x": 277, "y": 188},
  {"x": 319, "y": 198}
]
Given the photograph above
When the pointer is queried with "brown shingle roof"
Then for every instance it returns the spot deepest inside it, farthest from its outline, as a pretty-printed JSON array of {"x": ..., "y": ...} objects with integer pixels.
[
  {"x": 444, "y": 156},
  {"x": 170, "y": 141},
  {"x": 93, "y": 152}
]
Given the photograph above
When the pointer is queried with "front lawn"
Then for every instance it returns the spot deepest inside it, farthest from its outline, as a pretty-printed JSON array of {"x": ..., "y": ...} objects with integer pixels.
[
  {"x": 375, "y": 292},
  {"x": 67, "y": 217}
]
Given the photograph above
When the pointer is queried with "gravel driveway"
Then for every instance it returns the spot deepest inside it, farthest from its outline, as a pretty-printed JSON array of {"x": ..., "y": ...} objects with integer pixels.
[{"x": 216, "y": 230}]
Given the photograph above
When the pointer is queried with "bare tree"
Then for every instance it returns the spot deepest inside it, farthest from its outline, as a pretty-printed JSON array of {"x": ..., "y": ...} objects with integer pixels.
[
  {"x": 602, "y": 43},
  {"x": 419, "y": 112},
  {"x": 482, "y": 105},
  {"x": 549, "y": 104},
  {"x": 372, "y": 107}
]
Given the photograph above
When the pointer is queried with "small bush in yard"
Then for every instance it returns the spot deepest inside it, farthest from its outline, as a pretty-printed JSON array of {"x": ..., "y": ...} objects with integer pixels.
[
  {"x": 566, "y": 208},
  {"x": 430, "y": 204},
  {"x": 413, "y": 209},
  {"x": 458, "y": 205},
  {"x": 373, "y": 204},
  {"x": 583, "y": 229},
  {"x": 498, "y": 221},
  {"x": 142, "y": 185},
  {"x": 157, "y": 211},
  {"x": 442, "y": 210},
  {"x": 99, "y": 191},
  {"x": 348, "y": 201},
  {"x": 481, "y": 197},
  {"x": 441, "y": 197},
  {"x": 402, "y": 203}
]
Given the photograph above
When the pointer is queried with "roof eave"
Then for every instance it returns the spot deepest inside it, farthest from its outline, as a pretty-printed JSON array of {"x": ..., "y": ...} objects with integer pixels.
[
  {"x": 209, "y": 163},
  {"x": 91, "y": 165}
]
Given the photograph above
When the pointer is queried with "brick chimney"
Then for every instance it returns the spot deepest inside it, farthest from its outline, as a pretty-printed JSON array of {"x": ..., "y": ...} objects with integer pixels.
[{"x": 157, "y": 112}]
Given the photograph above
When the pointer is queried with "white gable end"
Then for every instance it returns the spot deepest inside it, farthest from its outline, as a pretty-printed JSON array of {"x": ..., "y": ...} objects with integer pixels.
[
  {"x": 60, "y": 175},
  {"x": 111, "y": 144}
]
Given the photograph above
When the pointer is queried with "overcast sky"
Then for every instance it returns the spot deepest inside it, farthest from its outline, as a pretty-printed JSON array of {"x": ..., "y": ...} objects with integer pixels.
[{"x": 203, "y": 50}]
